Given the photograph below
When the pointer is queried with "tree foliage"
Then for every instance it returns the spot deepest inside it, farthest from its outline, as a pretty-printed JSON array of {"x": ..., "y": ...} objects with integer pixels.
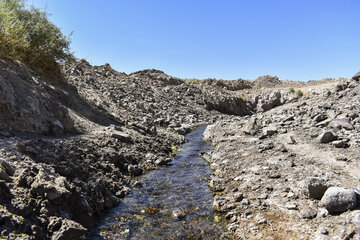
[{"x": 27, "y": 35}]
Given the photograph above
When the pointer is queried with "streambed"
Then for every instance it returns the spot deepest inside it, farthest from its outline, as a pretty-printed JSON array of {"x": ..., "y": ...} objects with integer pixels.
[{"x": 173, "y": 202}]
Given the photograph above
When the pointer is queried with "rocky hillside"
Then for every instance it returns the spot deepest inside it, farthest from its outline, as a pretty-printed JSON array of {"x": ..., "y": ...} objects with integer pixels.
[
  {"x": 291, "y": 172},
  {"x": 70, "y": 148}
]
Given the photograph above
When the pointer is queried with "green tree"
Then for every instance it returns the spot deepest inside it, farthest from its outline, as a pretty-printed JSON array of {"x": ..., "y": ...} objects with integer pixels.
[{"x": 27, "y": 35}]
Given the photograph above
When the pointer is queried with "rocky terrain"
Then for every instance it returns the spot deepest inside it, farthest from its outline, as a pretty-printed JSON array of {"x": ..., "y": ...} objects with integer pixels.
[
  {"x": 291, "y": 171},
  {"x": 70, "y": 149}
]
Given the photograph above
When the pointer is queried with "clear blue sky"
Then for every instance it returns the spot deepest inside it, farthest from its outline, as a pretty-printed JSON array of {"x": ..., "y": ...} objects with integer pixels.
[{"x": 224, "y": 39}]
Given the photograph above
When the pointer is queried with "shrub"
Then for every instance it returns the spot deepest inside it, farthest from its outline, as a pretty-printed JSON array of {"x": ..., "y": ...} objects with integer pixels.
[
  {"x": 175, "y": 149},
  {"x": 27, "y": 35},
  {"x": 299, "y": 93},
  {"x": 292, "y": 90}
]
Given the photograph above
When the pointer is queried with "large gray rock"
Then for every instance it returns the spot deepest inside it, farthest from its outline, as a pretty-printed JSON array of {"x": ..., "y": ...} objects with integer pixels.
[
  {"x": 50, "y": 185},
  {"x": 252, "y": 126},
  {"x": 268, "y": 131},
  {"x": 269, "y": 101},
  {"x": 341, "y": 122},
  {"x": 338, "y": 199},
  {"x": 327, "y": 137},
  {"x": 69, "y": 230}
]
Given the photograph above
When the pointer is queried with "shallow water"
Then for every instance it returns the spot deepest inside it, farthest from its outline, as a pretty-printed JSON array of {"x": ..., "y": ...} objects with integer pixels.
[{"x": 174, "y": 202}]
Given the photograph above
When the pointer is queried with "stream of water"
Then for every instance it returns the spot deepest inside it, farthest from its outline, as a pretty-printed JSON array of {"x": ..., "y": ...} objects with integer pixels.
[{"x": 174, "y": 202}]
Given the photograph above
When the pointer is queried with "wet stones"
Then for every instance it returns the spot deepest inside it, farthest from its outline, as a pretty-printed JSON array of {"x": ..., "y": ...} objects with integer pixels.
[
  {"x": 220, "y": 203},
  {"x": 123, "y": 192},
  {"x": 179, "y": 213},
  {"x": 163, "y": 161},
  {"x": 337, "y": 199}
]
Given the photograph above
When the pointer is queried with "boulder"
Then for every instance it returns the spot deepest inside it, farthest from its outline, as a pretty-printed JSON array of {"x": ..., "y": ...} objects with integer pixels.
[
  {"x": 338, "y": 199},
  {"x": 308, "y": 213},
  {"x": 341, "y": 122},
  {"x": 269, "y": 101},
  {"x": 314, "y": 132},
  {"x": 341, "y": 143},
  {"x": 49, "y": 185},
  {"x": 268, "y": 131},
  {"x": 267, "y": 81},
  {"x": 252, "y": 126},
  {"x": 69, "y": 230},
  {"x": 327, "y": 136}
]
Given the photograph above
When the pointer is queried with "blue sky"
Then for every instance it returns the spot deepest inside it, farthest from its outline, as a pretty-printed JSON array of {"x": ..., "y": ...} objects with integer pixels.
[{"x": 228, "y": 39}]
